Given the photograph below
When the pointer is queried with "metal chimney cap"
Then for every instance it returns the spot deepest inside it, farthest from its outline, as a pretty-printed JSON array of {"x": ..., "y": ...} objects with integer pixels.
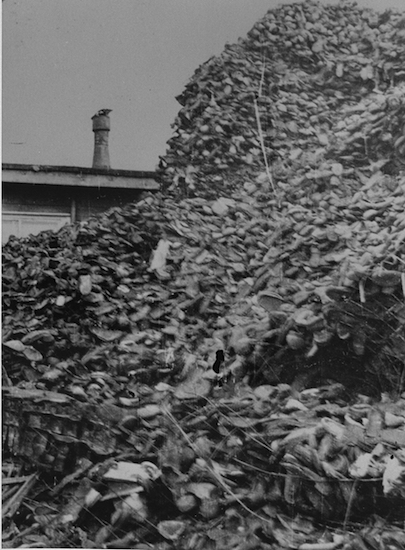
[
  {"x": 101, "y": 120},
  {"x": 102, "y": 112}
]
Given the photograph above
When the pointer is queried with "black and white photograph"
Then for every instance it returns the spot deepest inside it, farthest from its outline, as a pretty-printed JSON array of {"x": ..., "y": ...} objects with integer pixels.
[{"x": 203, "y": 274}]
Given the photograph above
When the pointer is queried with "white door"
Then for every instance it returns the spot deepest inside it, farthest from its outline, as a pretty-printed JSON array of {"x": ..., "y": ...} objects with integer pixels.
[{"x": 22, "y": 224}]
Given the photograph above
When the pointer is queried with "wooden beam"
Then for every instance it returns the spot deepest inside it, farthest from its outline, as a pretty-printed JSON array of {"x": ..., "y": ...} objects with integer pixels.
[{"x": 79, "y": 179}]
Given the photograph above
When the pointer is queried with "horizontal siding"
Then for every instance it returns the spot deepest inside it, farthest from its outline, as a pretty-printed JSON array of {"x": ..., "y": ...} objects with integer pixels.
[{"x": 53, "y": 200}]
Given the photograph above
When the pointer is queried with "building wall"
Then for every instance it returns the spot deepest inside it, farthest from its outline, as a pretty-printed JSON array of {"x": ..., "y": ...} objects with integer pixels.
[
  {"x": 34, "y": 208},
  {"x": 23, "y": 224}
]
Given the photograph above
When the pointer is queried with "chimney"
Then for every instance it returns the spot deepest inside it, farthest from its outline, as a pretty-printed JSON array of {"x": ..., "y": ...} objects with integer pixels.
[{"x": 101, "y": 127}]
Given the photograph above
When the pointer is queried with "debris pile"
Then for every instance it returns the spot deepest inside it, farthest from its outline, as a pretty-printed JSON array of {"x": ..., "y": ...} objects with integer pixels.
[
  {"x": 223, "y": 360},
  {"x": 278, "y": 97},
  {"x": 176, "y": 470},
  {"x": 140, "y": 289}
]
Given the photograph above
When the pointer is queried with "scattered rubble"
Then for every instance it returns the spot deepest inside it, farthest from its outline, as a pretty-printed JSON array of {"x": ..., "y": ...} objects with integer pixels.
[
  {"x": 221, "y": 365},
  {"x": 262, "y": 459}
]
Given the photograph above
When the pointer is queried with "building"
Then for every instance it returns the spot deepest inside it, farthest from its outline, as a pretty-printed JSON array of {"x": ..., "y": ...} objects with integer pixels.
[{"x": 37, "y": 198}]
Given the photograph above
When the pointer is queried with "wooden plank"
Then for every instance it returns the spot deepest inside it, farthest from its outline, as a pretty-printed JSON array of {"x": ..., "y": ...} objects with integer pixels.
[
  {"x": 10, "y": 507},
  {"x": 12, "y": 480}
]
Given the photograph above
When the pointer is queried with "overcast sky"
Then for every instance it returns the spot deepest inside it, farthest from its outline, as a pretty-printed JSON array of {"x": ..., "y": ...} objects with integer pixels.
[{"x": 65, "y": 59}]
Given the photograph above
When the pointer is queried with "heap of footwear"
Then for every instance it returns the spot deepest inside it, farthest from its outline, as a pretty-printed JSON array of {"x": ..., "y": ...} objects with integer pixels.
[{"x": 277, "y": 239}]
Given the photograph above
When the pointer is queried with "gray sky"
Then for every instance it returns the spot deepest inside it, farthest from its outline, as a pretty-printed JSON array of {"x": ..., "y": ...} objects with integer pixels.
[{"x": 65, "y": 59}]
